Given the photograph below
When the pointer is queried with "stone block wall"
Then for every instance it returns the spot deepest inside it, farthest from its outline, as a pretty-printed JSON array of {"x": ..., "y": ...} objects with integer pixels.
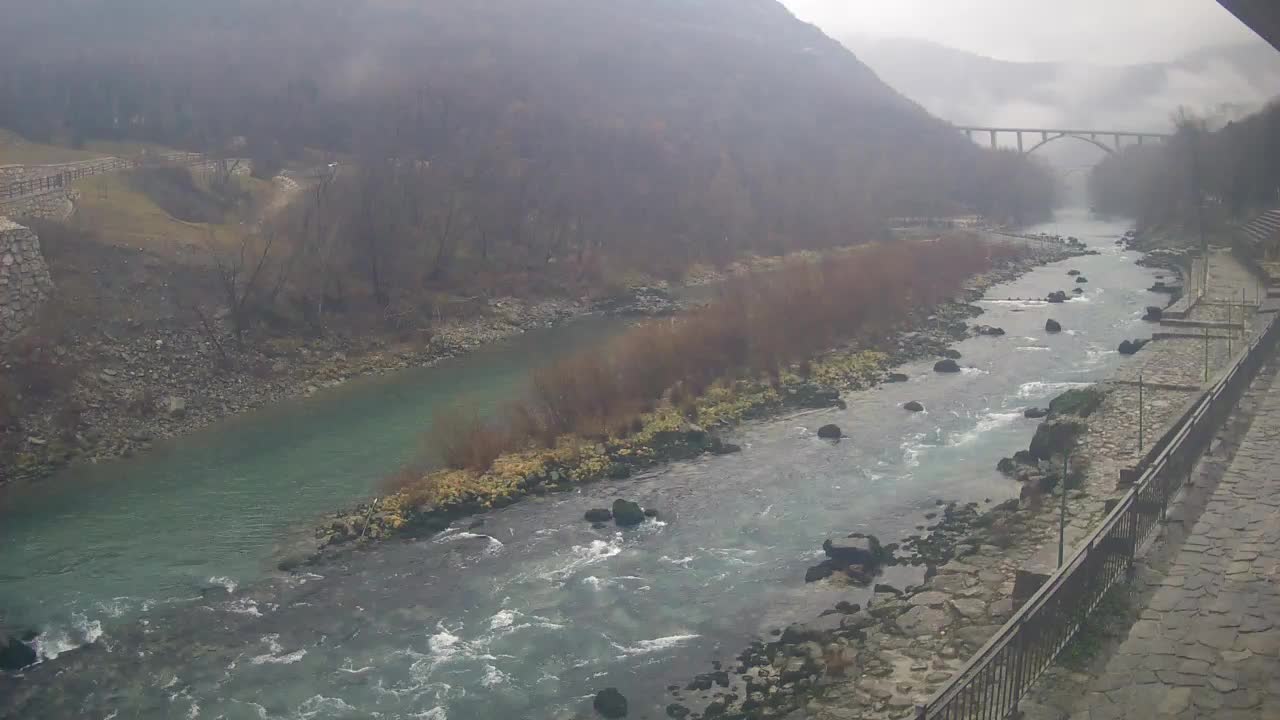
[
  {"x": 55, "y": 205},
  {"x": 24, "y": 278}
]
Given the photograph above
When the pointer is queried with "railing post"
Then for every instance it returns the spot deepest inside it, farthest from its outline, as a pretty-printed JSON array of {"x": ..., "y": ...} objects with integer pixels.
[{"x": 1132, "y": 520}]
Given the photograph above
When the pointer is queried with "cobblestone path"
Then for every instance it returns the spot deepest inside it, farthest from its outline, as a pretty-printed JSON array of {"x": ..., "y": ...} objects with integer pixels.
[{"x": 1207, "y": 644}]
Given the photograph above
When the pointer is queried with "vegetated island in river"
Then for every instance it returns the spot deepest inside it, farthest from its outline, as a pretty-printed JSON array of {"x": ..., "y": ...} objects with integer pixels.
[{"x": 661, "y": 390}]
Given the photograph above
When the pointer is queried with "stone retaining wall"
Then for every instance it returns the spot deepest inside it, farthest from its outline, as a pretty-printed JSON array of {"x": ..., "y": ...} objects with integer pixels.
[
  {"x": 24, "y": 278},
  {"x": 55, "y": 205}
]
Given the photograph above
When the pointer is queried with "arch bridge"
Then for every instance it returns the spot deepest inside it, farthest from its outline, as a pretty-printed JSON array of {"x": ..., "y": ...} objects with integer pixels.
[{"x": 1040, "y": 137}]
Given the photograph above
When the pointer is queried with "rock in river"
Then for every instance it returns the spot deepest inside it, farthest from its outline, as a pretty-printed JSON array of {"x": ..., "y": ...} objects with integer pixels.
[
  {"x": 596, "y": 515},
  {"x": 610, "y": 703},
  {"x": 1035, "y": 413},
  {"x": 951, "y": 354},
  {"x": 946, "y": 366},
  {"x": 1057, "y": 297},
  {"x": 1052, "y": 326},
  {"x": 821, "y": 571},
  {"x": 15, "y": 654},
  {"x": 1154, "y": 314},
  {"x": 913, "y": 406},
  {"x": 830, "y": 432},
  {"x": 989, "y": 330},
  {"x": 1082, "y": 279},
  {"x": 627, "y": 513},
  {"x": 1073, "y": 272},
  {"x": 896, "y": 378}
]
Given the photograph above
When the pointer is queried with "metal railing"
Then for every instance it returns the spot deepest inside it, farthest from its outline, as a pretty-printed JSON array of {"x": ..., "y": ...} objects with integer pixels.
[
  {"x": 995, "y": 679},
  {"x": 33, "y": 186}
]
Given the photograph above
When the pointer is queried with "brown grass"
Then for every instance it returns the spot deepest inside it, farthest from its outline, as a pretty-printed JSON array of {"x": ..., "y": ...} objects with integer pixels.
[{"x": 762, "y": 322}]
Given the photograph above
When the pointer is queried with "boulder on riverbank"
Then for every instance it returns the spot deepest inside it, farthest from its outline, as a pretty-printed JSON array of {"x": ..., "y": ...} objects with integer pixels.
[
  {"x": 1131, "y": 347},
  {"x": 1055, "y": 437},
  {"x": 946, "y": 366},
  {"x": 1081, "y": 402},
  {"x": 913, "y": 406},
  {"x": 896, "y": 378},
  {"x": 1035, "y": 413},
  {"x": 610, "y": 703},
  {"x": 1154, "y": 314},
  {"x": 815, "y": 396},
  {"x": 1052, "y": 326},
  {"x": 627, "y": 513},
  {"x": 857, "y": 549},
  {"x": 951, "y": 354},
  {"x": 830, "y": 432}
]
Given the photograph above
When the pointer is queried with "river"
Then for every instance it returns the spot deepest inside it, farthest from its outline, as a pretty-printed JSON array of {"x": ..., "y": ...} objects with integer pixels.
[{"x": 164, "y": 561}]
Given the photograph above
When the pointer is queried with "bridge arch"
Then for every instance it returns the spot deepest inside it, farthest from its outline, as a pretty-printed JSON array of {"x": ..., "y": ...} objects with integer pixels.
[
  {"x": 1048, "y": 135},
  {"x": 1092, "y": 141}
]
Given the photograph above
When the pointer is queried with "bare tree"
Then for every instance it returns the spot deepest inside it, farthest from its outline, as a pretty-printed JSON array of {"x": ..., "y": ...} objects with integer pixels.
[{"x": 242, "y": 271}]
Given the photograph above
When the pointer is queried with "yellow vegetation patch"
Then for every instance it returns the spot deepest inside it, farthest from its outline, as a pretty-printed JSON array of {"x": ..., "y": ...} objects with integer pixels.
[
  {"x": 846, "y": 370},
  {"x": 121, "y": 215}
]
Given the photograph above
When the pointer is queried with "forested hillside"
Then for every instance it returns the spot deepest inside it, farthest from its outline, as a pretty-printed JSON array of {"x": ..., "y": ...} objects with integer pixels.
[
  {"x": 1231, "y": 173},
  {"x": 521, "y": 132}
]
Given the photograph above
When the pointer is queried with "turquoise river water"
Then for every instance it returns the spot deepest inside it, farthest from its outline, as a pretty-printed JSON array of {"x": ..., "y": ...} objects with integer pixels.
[{"x": 152, "y": 582}]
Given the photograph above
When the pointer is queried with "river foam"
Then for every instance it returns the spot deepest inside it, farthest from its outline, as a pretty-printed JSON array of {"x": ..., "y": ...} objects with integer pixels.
[
  {"x": 990, "y": 421},
  {"x": 52, "y": 643},
  {"x": 648, "y": 647},
  {"x": 1037, "y": 389}
]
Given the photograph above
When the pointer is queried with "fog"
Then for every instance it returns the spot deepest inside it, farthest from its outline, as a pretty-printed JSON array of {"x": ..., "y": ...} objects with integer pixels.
[
  {"x": 1221, "y": 83},
  {"x": 1104, "y": 31},
  {"x": 1091, "y": 64}
]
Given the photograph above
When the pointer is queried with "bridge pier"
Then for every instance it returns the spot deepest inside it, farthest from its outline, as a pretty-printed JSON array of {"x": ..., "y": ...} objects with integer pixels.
[
  {"x": 993, "y": 139},
  {"x": 1019, "y": 141}
]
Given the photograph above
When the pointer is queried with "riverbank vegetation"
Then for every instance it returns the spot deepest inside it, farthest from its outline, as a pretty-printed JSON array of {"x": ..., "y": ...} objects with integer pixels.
[
  {"x": 430, "y": 176},
  {"x": 455, "y": 149},
  {"x": 1199, "y": 175},
  {"x": 760, "y": 325},
  {"x": 656, "y": 391}
]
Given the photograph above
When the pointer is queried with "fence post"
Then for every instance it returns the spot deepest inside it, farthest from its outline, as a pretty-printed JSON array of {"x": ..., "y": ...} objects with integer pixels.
[
  {"x": 1141, "y": 418},
  {"x": 1062, "y": 515},
  {"x": 1206, "y": 354}
]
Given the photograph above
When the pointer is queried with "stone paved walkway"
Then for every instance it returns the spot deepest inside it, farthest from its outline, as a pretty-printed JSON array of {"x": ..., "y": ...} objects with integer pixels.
[{"x": 1208, "y": 643}]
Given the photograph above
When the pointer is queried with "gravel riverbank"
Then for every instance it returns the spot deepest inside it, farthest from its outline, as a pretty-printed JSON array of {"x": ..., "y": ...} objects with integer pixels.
[{"x": 882, "y": 660}]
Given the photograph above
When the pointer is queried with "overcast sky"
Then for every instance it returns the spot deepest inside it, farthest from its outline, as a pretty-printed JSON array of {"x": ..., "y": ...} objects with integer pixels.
[{"x": 1101, "y": 31}]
